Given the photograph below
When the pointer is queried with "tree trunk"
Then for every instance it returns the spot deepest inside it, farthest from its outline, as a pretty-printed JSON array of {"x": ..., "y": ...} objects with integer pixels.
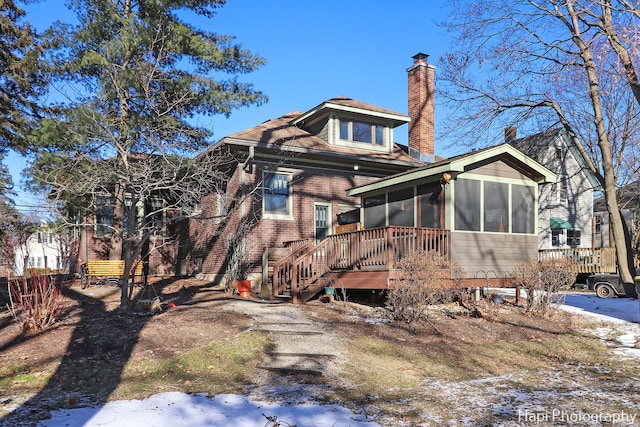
[
  {"x": 608, "y": 180},
  {"x": 115, "y": 249}
]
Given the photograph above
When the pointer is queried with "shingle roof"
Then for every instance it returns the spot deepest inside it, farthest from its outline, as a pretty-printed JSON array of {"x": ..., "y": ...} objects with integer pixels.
[
  {"x": 281, "y": 133},
  {"x": 535, "y": 146}
]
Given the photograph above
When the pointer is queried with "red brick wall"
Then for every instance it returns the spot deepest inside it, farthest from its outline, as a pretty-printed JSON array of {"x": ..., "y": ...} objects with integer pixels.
[{"x": 208, "y": 237}]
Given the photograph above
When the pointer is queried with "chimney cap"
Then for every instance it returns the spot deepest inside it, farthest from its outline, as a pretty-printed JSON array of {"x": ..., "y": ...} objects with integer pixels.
[{"x": 420, "y": 57}]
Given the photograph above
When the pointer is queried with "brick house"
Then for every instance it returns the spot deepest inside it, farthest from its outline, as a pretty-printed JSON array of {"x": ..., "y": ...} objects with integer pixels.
[{"x": 296, "y": 170}]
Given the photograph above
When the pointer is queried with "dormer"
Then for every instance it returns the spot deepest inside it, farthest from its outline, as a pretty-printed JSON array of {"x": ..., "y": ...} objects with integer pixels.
[{"x": 345, "y": 122}]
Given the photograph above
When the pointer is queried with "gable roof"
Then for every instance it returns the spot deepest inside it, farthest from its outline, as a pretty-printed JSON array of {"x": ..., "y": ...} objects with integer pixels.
[
  {"x": 536, "y": 146},
  {"x": 459, "y": 164}
]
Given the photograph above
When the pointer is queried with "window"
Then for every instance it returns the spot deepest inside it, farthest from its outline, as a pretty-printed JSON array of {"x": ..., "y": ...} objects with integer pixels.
[
  {"x": 374, "y": 211},
  {"x": 467, "y": 205},
  {"x": 429, "y": 204},
  {"x": 156, "y": 216},
  {"x": 401, "y": 208},
  {"x": 598, "y": 225},
  {"x": 355, "y": 131},
  {"x": 277, "y": 200},
  {"x": 322, "y": 222},
  {"x": 573, "y": 238},
  {"x": 556, "y": 235},
  {"x": 104, "y": 215},
  {"x": 522, "y": 209},
  {"x": 561, "y": 189},
  {"x": 496, "y": 207}
]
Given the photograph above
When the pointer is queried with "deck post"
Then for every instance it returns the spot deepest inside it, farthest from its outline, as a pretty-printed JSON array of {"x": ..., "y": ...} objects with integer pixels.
[{"x": 389, "y": 247}]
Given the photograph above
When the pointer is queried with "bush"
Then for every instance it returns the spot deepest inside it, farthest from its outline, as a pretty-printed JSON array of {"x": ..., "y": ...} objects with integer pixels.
[
  {"x": 36, "y": 302},
  {"x": 423, "y": 280},
  {"x": 544, "y": 281}
]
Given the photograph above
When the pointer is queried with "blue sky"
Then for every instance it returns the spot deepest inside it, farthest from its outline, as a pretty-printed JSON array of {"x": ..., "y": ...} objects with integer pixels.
[{"x": 315, "y": 50}]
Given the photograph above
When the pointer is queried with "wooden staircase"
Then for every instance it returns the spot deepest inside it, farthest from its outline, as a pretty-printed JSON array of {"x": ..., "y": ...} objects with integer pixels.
[{"x": 306, "y": 270}]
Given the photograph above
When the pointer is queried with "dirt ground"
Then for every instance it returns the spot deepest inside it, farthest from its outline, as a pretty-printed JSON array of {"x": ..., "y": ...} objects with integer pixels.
[{"x": 95, "y": 334}]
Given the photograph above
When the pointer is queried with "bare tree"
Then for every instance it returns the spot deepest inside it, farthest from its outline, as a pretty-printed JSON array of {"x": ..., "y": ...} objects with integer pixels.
[{"x": 510, "y": 59}]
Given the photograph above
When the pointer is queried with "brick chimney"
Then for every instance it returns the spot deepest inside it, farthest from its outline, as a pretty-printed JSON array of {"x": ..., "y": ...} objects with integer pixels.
[
  {"x": 421, "y": 109},
  {"x": 510, "y": 133}
]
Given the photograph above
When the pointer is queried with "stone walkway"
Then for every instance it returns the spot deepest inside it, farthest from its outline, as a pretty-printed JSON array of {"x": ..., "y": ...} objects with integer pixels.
[{"x": 302, "y": 346}]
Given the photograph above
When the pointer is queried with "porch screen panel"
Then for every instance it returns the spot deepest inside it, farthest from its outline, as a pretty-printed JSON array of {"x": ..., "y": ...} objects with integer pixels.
[
  {"x": 496, "y": 207},
  {"x": 374, "y": 211},
  {"x": 467, "y": 205},
  {"x": 523, "y": 208},
  {"x": 429, "y": 203},
  {"x": 401, "y": 208}
]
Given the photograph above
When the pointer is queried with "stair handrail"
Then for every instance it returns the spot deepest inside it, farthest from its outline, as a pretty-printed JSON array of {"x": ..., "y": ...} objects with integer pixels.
[
  {"x": 305, "y": 272},
  {"x": 282, "y": 268}
]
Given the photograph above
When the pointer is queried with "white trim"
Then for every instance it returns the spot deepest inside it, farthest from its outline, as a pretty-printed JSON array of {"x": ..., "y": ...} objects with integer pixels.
[{"x": 274, "y": 215}]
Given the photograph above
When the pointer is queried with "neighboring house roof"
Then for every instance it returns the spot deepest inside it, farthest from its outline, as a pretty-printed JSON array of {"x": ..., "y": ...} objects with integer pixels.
[
  {"x": 628, "y": 198},
  {"x": 536, "y": 146},
  {"x": 458, "y": 164}
]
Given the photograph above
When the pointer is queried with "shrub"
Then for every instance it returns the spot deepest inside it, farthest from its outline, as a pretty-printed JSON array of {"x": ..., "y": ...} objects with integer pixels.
[
  {"x": 544, "y": 281},
  {"x": 36, "y": 302},
  {"x": 423, "y": 279}
]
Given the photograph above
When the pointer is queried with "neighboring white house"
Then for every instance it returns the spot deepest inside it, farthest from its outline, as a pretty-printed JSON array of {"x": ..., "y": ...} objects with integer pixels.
[
  {"x": 566, "y": 208},
  {"x": 43, "y": 249}
]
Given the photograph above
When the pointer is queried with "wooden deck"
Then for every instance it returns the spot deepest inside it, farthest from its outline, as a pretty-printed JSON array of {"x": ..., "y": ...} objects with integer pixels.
[
  {"x": 588, "y": 260},
  {"x": 305, "y": 271}
]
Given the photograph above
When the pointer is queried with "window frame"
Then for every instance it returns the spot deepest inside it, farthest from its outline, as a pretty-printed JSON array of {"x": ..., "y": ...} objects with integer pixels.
[
  {"x": 378, "y": 135},
  {"x": 274, "y": 214},
  {"x": 561, "y": 189},
  {"x": 477, "y": 224},
  {"x": 574, "y": 238},
  {"x": 101, "y": 228}
]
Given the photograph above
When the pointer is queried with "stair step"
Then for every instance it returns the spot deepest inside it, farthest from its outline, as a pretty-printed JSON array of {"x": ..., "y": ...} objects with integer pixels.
[
  {"x": 286, "y": 354},
  {"x": 292, "y": 371},
  {"x": 288, "y": 331}
]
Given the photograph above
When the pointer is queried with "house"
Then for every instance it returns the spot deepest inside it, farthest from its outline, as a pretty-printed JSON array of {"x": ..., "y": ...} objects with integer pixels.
[
  {"x": 44, "y": 250},
  {"x": 629, "y": 202},
  {"x": 566, "y": 206},
  {"x": 296, "y": 170},
  {"x": 336, "y": 164}
]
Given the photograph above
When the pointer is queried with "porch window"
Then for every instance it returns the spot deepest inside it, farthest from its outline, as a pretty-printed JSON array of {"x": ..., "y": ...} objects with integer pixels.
[
  {"x": 496, "y": 207},
  {"x": 276, "y": 194},
  {"x": 374, "y": 211},
  {"x": 522, "y": 209},
  {"x": 401, "y": 210},
  {"x": 467, "y": 205},
  {"x": 430, "y": 205},
  {"x": 104, "y": 210}
]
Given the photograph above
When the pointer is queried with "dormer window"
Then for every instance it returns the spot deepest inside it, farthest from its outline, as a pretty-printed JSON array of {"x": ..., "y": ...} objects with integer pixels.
[{"x": 355, "y": 131}]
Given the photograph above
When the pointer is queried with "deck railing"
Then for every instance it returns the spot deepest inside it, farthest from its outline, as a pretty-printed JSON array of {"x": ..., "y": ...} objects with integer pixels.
[
  {"x": 588, "y": 260},
  {"x": 373, "y": 249}
]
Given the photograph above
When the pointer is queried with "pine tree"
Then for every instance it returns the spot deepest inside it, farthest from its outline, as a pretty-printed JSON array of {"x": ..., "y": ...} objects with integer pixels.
[{"x": 135, "y": 75}]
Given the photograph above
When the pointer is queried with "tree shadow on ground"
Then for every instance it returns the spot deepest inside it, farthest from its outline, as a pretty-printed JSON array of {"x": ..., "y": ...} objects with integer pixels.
[{"x": 100, "y": 346}]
